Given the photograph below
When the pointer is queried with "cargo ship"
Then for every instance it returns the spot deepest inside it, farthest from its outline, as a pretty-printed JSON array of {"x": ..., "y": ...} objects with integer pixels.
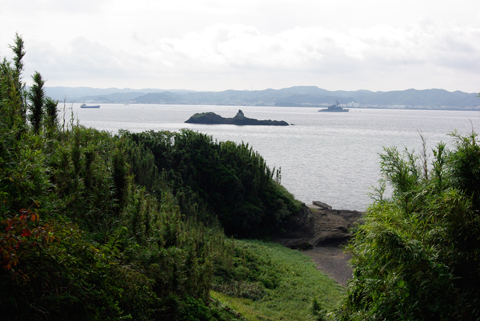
[{"x": 86, "y": 106}]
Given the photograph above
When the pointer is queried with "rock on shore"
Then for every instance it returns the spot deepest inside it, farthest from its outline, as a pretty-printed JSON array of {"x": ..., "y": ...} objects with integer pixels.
[
  {"x": 319, "y": 225},
  {"x": 320, "y": 231}
]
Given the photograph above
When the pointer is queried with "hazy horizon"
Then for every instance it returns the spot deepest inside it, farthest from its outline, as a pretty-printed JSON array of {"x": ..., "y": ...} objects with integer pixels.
[{"x": 233, "y": 89}]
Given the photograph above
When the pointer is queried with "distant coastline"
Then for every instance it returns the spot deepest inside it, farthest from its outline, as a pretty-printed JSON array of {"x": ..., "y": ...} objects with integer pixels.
[{"x": 301, "y": 96}]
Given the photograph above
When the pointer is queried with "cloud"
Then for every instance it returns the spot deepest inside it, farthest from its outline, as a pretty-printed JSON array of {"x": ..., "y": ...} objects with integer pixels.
[
  {"x": 232, "y": 55},
  {"x": 379, "y": 47},
  {"x": 83, "y": 59},
  {"x": 54, "y": 7}
]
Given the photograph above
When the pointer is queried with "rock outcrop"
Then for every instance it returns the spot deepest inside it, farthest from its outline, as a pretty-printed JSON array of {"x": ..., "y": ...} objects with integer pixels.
[
  {"x": 239, "y": 119},
  {"x": 319, "y": 231},
  {"x": 333, "y": 226},
  {"x": 318, "y": 226}
]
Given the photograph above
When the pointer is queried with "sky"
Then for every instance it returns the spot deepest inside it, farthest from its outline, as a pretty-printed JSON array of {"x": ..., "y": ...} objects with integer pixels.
[{"x": 210, "y": 45}]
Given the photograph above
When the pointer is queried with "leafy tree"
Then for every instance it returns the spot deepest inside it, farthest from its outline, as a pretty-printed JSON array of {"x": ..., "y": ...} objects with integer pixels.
[
  {"x": 78, "y": 238},
  {"x": 231, "y": 180},
  {"x": 101, "y": 227},
  {"x": 36, "y": 97},
  {"x": 51, "y": 115},
  {"x": 19, "y": 52},
  {"x": 417, "y": 255}
]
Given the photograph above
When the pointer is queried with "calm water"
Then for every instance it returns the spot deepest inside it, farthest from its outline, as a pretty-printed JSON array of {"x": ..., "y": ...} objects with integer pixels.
[{"x": 331, "y": 157}]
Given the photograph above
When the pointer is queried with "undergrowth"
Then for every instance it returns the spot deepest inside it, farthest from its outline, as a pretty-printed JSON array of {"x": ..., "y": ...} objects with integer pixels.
[{"x": 267, "y": 281}]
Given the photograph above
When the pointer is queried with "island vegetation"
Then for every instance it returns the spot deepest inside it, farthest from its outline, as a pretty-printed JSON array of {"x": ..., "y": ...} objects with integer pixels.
[
  {"x": 239, "y": 119},
  {"x": 148, "y": 226}
]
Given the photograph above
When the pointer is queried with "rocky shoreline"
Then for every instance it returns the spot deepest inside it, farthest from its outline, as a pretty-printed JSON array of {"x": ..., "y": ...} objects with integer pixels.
[{"x": 320, "y": 232}]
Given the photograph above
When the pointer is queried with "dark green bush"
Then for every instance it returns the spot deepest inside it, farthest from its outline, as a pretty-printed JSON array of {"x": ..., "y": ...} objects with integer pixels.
[
  {"x": 105, "y": 248},
  {"x": 416, "y": 256},
  {"x": 131, "y": 225},
  {"x": 230, "y": 181}
]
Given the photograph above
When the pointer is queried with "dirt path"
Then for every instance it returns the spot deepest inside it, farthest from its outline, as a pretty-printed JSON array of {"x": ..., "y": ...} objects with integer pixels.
[{"x": 331, "y": 260}]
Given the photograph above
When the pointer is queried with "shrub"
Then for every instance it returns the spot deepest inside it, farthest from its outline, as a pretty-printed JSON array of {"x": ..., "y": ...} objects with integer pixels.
[{"x": 416, "y": 256}]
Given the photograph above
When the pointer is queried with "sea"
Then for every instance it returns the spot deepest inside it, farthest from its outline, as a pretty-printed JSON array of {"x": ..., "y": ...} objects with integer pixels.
[{"x": 328, "y": 157}]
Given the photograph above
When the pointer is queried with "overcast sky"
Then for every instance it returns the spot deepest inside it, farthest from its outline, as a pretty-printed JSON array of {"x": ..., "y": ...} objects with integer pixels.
[{"x": 377, "y": 45}]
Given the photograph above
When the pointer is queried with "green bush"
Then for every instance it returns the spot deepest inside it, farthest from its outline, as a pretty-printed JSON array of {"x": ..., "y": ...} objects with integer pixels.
[
  {"x": 105, "y": 247},
  {"x": 95, "y": 226},
  {"x": 229, "y": 182},
  {"x": 416, "y": 256}
]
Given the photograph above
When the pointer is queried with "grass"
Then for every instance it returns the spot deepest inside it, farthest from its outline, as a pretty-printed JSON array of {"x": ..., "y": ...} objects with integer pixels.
[{"x": 292, "y": 282}]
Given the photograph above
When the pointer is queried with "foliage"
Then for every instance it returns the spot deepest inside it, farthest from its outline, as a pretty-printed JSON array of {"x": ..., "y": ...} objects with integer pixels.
[
  {"x": 231, "y": 180},
  {"x": 416, "y": 256},
  {"x": 20, "y": 235},
  {"x": 36, "y": 97},
  {"x": 19, "y": 53},
  {"x": 267, "y": 281},
  {"x": 70, "y": 278},
  {"x": 51, "y": 115},
  {"x": 95, "y": 226},
  {"x": 87, "y": 242}
]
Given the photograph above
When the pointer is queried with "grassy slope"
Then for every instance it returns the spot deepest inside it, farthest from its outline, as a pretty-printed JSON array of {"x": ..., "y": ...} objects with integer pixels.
[{"x": 299, "y": 283}]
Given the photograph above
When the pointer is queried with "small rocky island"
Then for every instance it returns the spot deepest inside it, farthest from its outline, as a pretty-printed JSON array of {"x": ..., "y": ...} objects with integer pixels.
[{"x": 239, "y": 119}]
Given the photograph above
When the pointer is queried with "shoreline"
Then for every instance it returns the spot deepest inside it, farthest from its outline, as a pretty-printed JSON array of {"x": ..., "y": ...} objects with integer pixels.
[{"x": 330, "y": 231}]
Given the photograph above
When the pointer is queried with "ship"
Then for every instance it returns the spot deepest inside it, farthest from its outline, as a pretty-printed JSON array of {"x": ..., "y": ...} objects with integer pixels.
[
  {"x": 335, "y": 109},
  {"x": 86, "y": 106}
]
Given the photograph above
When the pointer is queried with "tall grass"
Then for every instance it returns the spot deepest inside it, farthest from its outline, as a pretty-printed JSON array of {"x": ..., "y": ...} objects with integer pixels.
[{"x": 283, "y": 283}]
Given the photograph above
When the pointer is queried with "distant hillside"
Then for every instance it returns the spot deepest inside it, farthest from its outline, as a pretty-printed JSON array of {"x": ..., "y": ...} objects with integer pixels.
[
  {"x": 301, "y": 96},
  {"x": 80, "y": 94}
]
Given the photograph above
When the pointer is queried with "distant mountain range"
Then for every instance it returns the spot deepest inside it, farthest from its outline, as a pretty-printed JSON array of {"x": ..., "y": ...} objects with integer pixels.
[{"x": 301, "y": 96}]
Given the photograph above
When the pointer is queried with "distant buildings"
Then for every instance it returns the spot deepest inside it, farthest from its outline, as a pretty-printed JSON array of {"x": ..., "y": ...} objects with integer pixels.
[{"x": 353, "y": 104}]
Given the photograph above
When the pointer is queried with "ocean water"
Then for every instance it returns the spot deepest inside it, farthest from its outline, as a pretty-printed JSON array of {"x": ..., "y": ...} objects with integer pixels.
[{"x": 330, "y": 157}]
